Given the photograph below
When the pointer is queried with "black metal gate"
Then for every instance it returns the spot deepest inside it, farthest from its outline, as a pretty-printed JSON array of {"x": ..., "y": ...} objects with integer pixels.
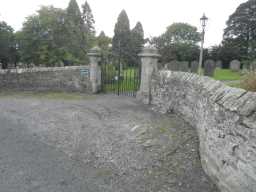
[{"x": 120, "y": 78}]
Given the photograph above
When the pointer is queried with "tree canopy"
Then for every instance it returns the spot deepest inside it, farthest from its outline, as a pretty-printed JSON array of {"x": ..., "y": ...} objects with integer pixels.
[
  {"x": 122, "y": 39},
  {"x": 88, "y": 18},
  {"x": 55, "y": 36},
  {"x": 127, "y": 43},
  {"x": 241, "y": 29},
  {"x": 179, "y": 42},
  {"x": 6, "y": 43},
  {"x": 137, "y": 41}
]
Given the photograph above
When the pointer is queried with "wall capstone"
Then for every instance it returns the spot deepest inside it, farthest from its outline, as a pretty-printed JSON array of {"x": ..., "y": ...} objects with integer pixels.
[{"x": 225, "y": 119}]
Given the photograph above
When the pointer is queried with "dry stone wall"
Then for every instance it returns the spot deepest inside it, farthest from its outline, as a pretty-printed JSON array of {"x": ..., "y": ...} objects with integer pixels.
[
  {"x": 225, "y": 119},
  {"x": 75, "y": 78}
]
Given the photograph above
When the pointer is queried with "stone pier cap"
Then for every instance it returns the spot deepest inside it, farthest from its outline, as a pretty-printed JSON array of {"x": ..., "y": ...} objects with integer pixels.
[
  {"x": 149, "y": 52},
  {"x": 94, "y": 52}
]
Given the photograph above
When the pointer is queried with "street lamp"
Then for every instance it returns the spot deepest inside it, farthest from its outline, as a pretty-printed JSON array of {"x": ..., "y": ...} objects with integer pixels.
[{"x": 203, "y": 20}]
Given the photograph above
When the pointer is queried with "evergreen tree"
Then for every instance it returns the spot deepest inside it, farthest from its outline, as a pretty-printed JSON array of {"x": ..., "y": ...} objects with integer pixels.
[
  {"x": 137, "y": 37},
  {"x": 77, "y": 43},
  {"x": 6, "y": 43},
  {"x": 121, "y": 44},
  {"x": 88, "y": 18},
  {"x": 73, "y": 12},
  {"x": 103, "y": 42}
]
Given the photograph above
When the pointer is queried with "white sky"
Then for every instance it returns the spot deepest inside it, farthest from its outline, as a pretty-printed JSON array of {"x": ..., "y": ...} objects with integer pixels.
[{"x": 154, "y": 15}]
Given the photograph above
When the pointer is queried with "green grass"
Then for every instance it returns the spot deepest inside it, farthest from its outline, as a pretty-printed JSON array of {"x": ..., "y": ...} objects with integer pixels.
[
  {"x": 226, "y": 75},
  {"x": 129, "y": 82},
  {"x": 46, "y": 95}
]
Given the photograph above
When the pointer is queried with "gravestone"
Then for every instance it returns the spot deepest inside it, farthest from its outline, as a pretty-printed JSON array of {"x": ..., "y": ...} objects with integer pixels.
[
  {"x": 219, "y": 64},
  {"x": 235, "y": 65},
  {"x": 161, "y": 66},
  {"x": 183, "y": 66},
  {"x": 209, "y": 68},
  {"x": 194, "y": 66},
  {"x": 173, "y": 65},
  {"x": 11, "y": 66},
  {"x": 253, "y": 66}
]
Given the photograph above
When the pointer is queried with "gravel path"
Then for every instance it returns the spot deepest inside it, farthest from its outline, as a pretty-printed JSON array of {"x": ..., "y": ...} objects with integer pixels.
[{"x": 100, "y": 144}]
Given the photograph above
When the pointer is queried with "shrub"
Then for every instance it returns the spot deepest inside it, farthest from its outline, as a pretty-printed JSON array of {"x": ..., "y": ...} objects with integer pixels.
[{"x": 249, "y": 82}]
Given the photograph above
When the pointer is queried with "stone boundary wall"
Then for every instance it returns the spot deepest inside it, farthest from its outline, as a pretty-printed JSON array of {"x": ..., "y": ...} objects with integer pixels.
[
  {"x": 225, "y": 119},
  {"x": 72, "y": 78}
]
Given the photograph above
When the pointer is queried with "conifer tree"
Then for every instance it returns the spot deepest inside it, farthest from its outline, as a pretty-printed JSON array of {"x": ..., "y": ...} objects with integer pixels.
[
  {"x": 121, "y": 43},
  {"x": 88, "y": 18},
  {"x": 137, "y": 40}
]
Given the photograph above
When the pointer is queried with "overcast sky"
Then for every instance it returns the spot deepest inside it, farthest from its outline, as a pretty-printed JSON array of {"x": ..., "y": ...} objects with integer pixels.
[{"x": 154, "y": 15}]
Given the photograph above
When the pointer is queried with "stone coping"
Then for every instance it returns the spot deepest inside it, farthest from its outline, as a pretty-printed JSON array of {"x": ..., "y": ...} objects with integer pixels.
[
  {"x": 43, "y": 69},
  {"x": 225, "y": 119}
]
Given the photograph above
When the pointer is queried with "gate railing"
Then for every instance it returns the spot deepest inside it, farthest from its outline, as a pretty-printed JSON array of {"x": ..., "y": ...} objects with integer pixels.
[
  {"x": 120, "y": 78},
  {"x": 132, "y": 79}
]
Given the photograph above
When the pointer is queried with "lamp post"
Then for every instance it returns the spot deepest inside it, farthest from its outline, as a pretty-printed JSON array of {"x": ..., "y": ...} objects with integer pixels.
[{"x": 203, "y": 20}]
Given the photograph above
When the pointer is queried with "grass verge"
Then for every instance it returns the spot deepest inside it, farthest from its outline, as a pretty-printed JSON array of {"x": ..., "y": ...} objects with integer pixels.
[{"x": 226, "y": 75}]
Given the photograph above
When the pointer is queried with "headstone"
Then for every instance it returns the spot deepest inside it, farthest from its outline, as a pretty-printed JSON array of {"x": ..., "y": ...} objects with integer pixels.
[
  {"x": 184, "y": 66},
  {"x": 194, "y": 66},
  {"x": 161, "y": 66},
  {"x": 209, "y": 68},
  {"x": 253, "y": 65},
  {"x": 11, "y": 66},
  {"x": 219, "y": 64},
  {"x": 173, "y": 65},
  {"x": 235, "y": 65}
]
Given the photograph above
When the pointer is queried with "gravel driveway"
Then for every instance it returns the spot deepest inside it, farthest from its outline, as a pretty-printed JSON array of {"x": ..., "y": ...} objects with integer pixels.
[{"x": 103, "y": 143}]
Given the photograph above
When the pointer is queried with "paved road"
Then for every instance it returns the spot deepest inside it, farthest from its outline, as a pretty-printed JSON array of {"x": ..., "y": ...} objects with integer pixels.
[{"x": 100, "y": 144}]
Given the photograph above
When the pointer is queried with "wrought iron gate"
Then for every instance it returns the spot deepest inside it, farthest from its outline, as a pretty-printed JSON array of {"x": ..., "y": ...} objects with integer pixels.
[{"x": 120, "y": 78}]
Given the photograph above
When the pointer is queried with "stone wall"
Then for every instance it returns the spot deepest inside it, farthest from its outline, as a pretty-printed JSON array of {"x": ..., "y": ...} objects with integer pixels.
[
  {"x": 225, "y": 119},
  {"x": 75, "y": 78}
]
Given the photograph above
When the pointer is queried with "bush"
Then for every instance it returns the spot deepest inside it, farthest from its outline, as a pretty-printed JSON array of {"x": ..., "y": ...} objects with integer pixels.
[{"x": 249, "y": 82}]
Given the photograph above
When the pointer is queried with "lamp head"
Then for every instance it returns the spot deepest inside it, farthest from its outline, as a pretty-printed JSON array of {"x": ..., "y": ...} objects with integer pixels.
[{"x": 203, "y": 20}]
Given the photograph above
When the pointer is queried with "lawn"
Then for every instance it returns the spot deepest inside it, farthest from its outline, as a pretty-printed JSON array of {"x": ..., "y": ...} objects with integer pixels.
[{"x": 226, "y": 75}]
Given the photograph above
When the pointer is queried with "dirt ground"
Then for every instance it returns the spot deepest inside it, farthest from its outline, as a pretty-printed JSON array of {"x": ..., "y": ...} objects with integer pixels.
[{"x": 103, "y": 143}]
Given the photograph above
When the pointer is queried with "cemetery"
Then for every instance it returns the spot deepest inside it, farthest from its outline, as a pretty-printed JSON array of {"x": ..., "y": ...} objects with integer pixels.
[{"x": 86, "y": 112}]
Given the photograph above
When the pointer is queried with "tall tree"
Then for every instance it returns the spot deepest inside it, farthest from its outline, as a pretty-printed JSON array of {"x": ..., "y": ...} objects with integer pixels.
[
  {"x": 137, "y": 40},
  {"x": 6, "y": 43},
  {"x": 104, "y": 43},
  {"x": 121, "y": 43},
  {"x": 40, "y": 41},
  {"x": 77, "y": 44},
  {"x": 88, "y": 18},
  {"x": 182, "y": 33},
  {"x": 241, "y": 29},
  {"x": 179, "y": 42}
]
